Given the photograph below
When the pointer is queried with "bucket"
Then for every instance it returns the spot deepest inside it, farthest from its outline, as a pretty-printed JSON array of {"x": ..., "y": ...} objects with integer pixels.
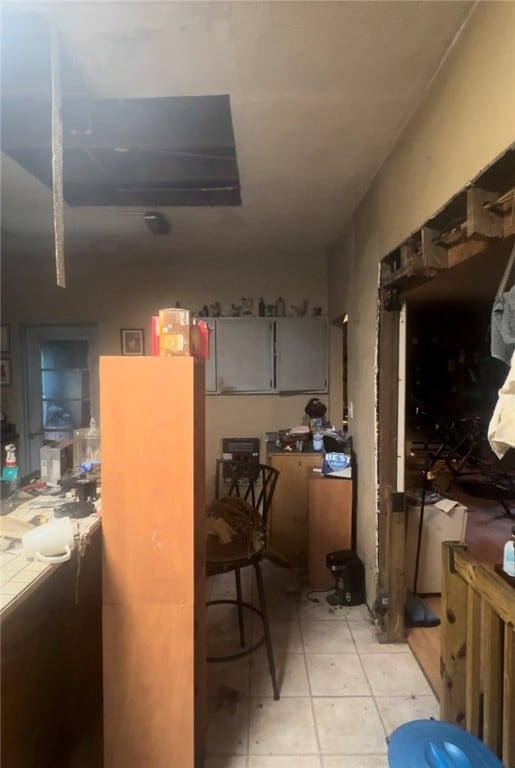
[{"x": 436, "y": 744}]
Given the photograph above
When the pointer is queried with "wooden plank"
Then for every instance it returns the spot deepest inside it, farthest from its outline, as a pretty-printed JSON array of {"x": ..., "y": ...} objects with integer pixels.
[
  {"x": 473, "y": 687},
  {"x": 454, "y": 638},
  {"x": 493, "y": 680},
  {"x": 289, "y": 511},
  {"x": 508, "y": 729},
  {"x": 425, "y": 644},
  {"x": 329, "y": 524},
  {"x": 481, "y": 220},
  {"x": 492, "y": 588},
  {"x": 411, "y": 258},
  {"x": 465, "y": 250},
  {"x": 392, "y": 580},
  {"x": 433, "y": 255}
]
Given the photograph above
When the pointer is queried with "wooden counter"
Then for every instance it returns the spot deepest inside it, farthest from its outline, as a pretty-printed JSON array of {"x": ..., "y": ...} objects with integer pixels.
[
  {"x": 329, "y": 524},
  {"x": 289, "y": 512},
  {"x": 51, "y": 663}
]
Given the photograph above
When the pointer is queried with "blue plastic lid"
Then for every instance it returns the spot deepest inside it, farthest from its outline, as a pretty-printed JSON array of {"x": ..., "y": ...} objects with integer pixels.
[{"x": 434, "y": 744}]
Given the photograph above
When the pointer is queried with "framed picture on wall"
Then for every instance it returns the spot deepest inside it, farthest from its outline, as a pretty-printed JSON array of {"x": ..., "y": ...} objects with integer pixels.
[
  {"x": 5, "y": 372},
  {"x": 5, "y": 345},
  {"x": 133, "y": 341}
]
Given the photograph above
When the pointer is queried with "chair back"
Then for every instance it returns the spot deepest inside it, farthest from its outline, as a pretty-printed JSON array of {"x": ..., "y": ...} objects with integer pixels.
[{"x": 256, "y": 486}]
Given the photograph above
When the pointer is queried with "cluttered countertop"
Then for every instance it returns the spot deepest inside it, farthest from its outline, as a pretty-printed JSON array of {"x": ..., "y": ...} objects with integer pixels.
[
  {"x": 25, "y": 510},
  {"x": 315, "y": 436}
]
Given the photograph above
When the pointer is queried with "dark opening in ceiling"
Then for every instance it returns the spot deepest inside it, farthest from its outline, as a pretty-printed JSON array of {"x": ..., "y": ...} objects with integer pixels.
[{"x": 177, "y": 151}]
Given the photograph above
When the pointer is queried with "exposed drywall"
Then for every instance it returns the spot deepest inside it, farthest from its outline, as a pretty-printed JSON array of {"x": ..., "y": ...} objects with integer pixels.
[
  {"x": 466, "y": 121},
  {"x": 118, "y": 292}
]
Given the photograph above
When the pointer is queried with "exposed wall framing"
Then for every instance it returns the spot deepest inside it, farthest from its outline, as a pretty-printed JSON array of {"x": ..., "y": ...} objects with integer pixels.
[{"x": 479, "y": 216}]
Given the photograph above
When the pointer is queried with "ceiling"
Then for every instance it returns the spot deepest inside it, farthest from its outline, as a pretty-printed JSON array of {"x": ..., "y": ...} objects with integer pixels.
[{"x": 318, "y": 94}]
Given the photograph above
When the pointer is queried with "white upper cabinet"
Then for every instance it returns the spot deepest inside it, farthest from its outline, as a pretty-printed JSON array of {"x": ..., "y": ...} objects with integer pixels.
[
  {"x": 244, "y": 355},
  {"x": 301, "y": 354},
  {"x": 267, "y": 355}
]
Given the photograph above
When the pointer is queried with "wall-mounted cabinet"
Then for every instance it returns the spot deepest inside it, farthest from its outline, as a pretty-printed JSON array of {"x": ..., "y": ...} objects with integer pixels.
[
  {"x": 263, "y": 355},
  {"x": 301, "y": 354},
  {"x": 244, "y": 355}
]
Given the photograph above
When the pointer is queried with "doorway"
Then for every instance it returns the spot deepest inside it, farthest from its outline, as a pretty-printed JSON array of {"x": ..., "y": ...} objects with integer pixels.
[{"x": 61, "y": 386}]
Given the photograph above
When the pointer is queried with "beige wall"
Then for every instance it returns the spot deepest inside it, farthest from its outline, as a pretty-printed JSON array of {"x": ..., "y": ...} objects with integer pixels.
[
  {"x": 465, "y": 122},
  {"x": 118, "y": 292}
]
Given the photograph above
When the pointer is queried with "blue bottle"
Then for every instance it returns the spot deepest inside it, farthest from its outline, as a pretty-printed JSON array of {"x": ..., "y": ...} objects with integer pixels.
[
  {"x": 10, "y": 472},
  {"x": 508, "y": 563}
]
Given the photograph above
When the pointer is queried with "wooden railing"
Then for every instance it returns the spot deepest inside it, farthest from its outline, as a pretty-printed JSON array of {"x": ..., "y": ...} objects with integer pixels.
[{"x": 478, "y": 651}]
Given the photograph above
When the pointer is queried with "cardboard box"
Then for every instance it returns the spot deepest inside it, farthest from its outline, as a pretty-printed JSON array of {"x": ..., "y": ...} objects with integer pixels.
[
  {"x": 438, "y": 526},
  {"x": 55, "y": 459}
]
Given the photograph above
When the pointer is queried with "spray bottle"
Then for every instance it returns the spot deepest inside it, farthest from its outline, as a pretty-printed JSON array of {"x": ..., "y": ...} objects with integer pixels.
[
  {"x": 508, "y": 564},
  {"x": 10, "y": 472}
]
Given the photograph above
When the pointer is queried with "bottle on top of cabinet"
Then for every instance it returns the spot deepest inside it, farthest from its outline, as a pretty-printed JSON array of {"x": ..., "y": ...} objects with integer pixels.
[
  {"x": 508, "y": 563},
  {"x": 280, "y": 307}
]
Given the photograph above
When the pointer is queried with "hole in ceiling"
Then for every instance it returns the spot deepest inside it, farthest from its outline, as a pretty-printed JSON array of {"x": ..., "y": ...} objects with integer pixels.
[{"x": 149, "y": 152}]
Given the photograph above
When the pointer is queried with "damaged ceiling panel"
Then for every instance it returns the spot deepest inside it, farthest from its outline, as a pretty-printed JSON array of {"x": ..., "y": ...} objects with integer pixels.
[{"x": 175, "y": 151}]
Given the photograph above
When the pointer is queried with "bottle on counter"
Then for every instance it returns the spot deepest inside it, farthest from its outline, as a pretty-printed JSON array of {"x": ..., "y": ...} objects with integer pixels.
[
  {"x": 10, "y": 472},
  {"x": 280, "y": 307},
  {"x": 508, "y": 563}
]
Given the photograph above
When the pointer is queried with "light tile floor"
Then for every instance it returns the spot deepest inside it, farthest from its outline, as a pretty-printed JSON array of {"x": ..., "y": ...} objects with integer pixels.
[{"x": 342, "y": 692}]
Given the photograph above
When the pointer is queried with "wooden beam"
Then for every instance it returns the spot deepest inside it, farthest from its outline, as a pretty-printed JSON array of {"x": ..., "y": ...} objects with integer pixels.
[
  {"x": 473, "y": 684},
  {"x": 453, "y": 638},
  {"x": 508, "y": 711},
  {"x": 493, "y": 679},
  {"x": 433, "y": 255},
  {"x": 482, "y": 220},
  {"x": 391, "y": 577}
]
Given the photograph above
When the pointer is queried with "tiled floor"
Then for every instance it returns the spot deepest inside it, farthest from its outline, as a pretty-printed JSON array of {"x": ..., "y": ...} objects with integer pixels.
[{"x": 342, "y": 693}]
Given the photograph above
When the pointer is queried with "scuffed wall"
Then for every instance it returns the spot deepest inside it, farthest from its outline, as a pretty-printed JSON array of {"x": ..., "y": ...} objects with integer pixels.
[{"x": 464, "y": 123}]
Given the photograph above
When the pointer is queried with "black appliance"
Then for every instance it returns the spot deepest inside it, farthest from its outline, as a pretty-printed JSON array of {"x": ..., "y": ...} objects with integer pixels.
[
  {"x": 349, "y": 572},
  {"x": 241, "y": 458}
]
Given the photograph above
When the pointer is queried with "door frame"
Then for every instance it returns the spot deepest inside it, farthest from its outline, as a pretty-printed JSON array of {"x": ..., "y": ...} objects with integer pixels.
[
  {"x": 33, "y": 333},
  {"x": 391, "y": 592}
]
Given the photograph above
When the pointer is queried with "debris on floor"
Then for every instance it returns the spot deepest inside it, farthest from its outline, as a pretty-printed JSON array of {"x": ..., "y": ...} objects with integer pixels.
[{"x": 228, "y": 698}]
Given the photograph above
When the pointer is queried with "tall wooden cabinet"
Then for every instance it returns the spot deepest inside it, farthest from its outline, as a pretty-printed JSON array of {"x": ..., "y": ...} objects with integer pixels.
[{"x": 153, "y": 501}]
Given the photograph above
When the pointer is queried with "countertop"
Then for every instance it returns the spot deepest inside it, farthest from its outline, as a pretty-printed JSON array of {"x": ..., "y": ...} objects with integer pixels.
[
  {"x": 307, "y": 448},
  {"x": 19, "y": 577}
]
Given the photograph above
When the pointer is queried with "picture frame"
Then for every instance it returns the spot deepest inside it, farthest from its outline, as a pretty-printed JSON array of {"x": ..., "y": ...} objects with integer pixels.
[
  {"x": 5, "y": 341},
  {"x": 132, "y": 341},
  {"x": 5, "y": 372}
]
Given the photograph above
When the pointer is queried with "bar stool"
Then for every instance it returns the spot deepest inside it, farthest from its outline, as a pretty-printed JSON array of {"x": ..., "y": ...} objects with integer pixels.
[{"x": 254, "y": 487}]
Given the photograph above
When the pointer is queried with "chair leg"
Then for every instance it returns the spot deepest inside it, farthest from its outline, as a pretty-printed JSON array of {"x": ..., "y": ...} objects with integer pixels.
[
  {"x": 266, "y": 628},
  {"x": 237, "y": 575}
]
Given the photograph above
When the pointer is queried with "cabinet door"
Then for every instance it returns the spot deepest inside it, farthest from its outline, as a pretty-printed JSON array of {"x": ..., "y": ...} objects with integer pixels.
[
  {"x": 288, "y": 523},
  {"x": 211, "y": 361},
  {"x": 301, "y": 354},
  {"x": 244, "y": 355}
]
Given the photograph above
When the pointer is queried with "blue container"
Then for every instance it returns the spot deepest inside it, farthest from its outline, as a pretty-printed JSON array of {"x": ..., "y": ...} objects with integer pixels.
[{"x": 434, "y": 744}]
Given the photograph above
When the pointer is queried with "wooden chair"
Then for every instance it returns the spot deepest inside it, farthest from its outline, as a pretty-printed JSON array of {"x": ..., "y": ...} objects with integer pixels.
[{"x": 255, "y": 486}]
